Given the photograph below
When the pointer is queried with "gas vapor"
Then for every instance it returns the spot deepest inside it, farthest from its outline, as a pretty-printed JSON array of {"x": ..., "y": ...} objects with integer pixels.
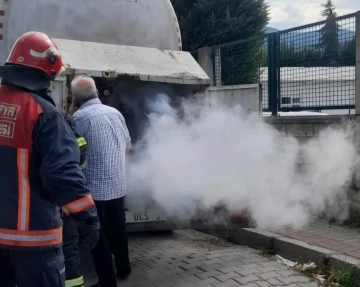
[{"x": 202, "y": 153}]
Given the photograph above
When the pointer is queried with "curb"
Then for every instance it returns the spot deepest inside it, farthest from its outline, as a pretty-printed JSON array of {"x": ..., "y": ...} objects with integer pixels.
[
  {"x": 288, "y": 248},
  {"x": 298, "y": 251}
]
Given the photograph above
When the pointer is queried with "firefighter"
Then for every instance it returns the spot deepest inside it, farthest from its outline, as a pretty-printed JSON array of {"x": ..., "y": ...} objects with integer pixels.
[
  {"x": 39, "y": 170},
  {"x": 73, "y": 274}
]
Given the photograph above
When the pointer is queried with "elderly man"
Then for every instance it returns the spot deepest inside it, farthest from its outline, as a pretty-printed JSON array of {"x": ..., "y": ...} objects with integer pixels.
[{"x": 108, "y": 139}]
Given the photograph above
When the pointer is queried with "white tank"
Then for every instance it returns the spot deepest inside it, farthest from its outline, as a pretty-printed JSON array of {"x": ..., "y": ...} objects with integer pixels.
[{"x": 145, "y": 23}]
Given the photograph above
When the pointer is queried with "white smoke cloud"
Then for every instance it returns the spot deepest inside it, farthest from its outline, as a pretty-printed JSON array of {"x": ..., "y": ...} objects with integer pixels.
[{"x": 205, "y": 154}]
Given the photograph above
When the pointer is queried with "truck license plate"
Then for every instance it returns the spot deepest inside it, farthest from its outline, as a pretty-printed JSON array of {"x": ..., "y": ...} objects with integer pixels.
[{"x": 138, "y": 217}]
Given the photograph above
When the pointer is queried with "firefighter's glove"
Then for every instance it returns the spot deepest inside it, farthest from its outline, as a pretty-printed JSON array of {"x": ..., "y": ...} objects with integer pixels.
[
  {"x": 88, "y": 232},
  {"x": 89, "y": 241}
]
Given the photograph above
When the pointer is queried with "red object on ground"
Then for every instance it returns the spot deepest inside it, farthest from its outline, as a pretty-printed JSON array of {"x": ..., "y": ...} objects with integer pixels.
[{"x": 239, "y": 215}]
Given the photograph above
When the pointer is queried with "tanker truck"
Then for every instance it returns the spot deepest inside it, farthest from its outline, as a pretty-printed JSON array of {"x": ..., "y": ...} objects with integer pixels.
[{"x": 133, "y": 50}]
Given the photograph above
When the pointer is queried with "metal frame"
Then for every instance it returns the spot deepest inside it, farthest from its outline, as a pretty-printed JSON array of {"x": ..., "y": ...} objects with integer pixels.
[
  {"x": 216, "y": 54},
  {"x": 316, "y": 24},
  {"x": 299, "y": 28},
  {"x": 274, "y": 71}
]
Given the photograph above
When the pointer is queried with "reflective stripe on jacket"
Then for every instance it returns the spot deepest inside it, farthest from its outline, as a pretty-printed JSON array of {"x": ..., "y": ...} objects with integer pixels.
[
  {"x": 39, "y": 171},
  {"x": 80, "y": 141}
]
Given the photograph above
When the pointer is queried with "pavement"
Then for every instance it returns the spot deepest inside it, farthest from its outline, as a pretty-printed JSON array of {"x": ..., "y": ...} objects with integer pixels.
[
  {"x": 190, "y": 258},
  {"x": 319, "y": 242},
  {"x": 341, "y": 239}
]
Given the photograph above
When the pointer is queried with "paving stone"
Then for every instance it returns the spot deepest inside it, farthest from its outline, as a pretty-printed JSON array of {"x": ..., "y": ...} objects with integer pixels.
[
  {"x": 192, "y": 279},
  {"x": 253, "y": 259},
  {"x": 208, "y": 274},
  {"x": 187, "y": 273},
  {"x": 186, "y": 285},
  {"x": 190, "y": 266},
  {"x": 229, "y": 283},
  {"x": 212, "y": 262},
  {"x": 231, "y": 258},
  {"x": 250, "y": 266},
  {"x": 268, "y": 269},
  {"x": 209, "y": 281},
  {"x": 275, "y": 282},
  {"x": 270, "y": 264},
  {"x": 229, "y": 269},
  {"x": 247, "y": 272},
  {"x": 226, "y": 277},
  {"x": 268, "y": 275},
  {"x": 247, "y": 279},
  {"x": 251, "y": 284},
  {"x": 287, "y": 273},
  {"x": 207, "y": 268},
  {"x": 180, "y": 261},
  {"x": 320, "y": 233},
  {"x": 311, "y": 284},
  {"x": 293, "y": 279},
  {"x": 263, "y": 283}
]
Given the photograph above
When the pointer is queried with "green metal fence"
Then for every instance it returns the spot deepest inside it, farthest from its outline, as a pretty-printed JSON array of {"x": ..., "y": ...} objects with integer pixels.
[
  {"x": 311, "y": 67},
  {"x": 241, "y": 62},
  {"x": 316, "y": 65}
]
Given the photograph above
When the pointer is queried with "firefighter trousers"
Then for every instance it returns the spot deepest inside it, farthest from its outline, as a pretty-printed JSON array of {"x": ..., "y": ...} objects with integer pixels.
[
  {"x": 30, "y": 268},
  {"x": 73, "y": 274}
]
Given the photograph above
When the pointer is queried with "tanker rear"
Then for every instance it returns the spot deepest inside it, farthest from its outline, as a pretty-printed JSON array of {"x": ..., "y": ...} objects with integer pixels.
[{"x": 141, "y": 23}]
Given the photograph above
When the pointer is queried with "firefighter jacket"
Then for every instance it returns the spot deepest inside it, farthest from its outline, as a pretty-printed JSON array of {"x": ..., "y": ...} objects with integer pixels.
[
  {"x": 39, "y": 173},
  {"x": 80, "y": 141}
]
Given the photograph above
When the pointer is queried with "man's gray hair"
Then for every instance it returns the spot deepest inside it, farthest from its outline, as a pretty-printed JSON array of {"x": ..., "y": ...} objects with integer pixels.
[{"x": 83, "y": 89}]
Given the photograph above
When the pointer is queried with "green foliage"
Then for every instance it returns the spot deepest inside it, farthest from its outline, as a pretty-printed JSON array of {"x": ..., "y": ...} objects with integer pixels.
[
  {"x": 329, "y": 41},
  {"x": 313, "y": 57},
  {"x": 348, "y": 277},
  {"x": 212, "y": 22},
  {"x": 348, "y": 53},
  {"x": 290, "y": 57},
  {"x": 240, "y": 63},
  {"x": 329, "y": 52}
]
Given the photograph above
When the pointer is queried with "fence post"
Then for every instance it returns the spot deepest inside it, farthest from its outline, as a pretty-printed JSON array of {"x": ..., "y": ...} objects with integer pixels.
[
  {"x": 206, "y": 62},
  {"x": 357, "y": 94},
  {"x": 217, "y": 66},
  {"x": 272, "y": 73}
]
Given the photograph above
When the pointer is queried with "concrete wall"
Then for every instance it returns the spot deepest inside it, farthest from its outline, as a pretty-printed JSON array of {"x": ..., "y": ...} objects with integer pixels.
[
  {"x": 247, "y": 96},
  {"x": 305, "y": 128}
]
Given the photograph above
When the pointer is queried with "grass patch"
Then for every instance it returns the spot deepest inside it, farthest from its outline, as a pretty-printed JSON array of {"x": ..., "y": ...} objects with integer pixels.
[
  {"x": 348, "y": 277},
  {"x": 343, "y": 277}
]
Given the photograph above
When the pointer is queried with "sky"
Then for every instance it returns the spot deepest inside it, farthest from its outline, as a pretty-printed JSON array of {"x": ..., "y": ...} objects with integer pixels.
[{"x": 287, "y": 14}]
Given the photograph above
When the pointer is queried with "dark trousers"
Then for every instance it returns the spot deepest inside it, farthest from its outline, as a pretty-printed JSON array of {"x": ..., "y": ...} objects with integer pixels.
[
  {"x": 71, "y": 249},
  {"x": 27, "y": 268},
  {"x": 113, "y": 239}
]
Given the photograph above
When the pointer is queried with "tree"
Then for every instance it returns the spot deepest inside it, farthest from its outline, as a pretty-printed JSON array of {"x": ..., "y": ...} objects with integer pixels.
[
  {"x": 329, "y": 40},
  {"x": 348, "y": 53},
  {"x": 306, "y": 57},
  {"x": 212, "y": 22}
]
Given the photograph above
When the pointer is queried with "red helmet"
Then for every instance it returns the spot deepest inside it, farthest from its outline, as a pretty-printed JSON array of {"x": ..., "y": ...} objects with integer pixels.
[{"x": 36, "y": 50}]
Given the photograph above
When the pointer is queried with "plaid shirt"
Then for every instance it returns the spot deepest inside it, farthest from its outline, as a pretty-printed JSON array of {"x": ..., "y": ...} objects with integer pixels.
[{"x": 106, "y": 134}]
